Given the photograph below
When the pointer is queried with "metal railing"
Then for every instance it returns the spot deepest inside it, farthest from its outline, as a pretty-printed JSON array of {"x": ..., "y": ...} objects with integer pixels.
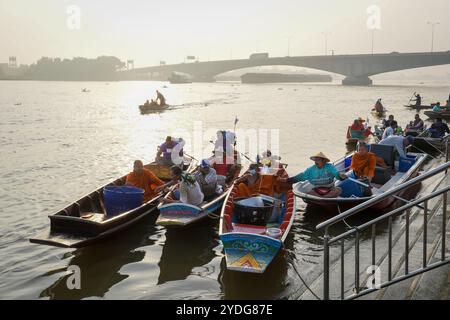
[{"x": 357, "y": 231}]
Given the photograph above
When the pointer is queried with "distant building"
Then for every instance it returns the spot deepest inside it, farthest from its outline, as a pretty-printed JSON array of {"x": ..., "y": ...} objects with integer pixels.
[
  {"x": 11, "y": 70},
  {"x": 12, "y": 62}
]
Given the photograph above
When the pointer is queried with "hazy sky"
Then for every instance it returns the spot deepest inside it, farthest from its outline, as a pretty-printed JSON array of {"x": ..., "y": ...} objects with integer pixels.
[{"x": 150, "y": 31}]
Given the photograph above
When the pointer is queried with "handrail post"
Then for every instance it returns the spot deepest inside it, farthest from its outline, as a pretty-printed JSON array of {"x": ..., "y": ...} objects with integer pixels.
[
  {"x": 447, "y": 155},
  {"x": 444, "y": 224},
  {"x": 425, "y": 233},
  {"x": 357, "y": 262},
  {"x": 326, "y": 266}
]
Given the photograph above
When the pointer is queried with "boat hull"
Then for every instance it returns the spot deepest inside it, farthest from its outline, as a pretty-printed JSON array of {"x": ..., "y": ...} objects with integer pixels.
[
  {"x": 180, "y": 215},
  {"x": 85, "y": 221},
  {"x": 249, "y": 248},
  {"x": 419, "y": 107},
  {"x": 152, "y": 108},
  {"x": 335, "y": 206},
  {"x": 78, "y": 240},
  {"x": 249, "y": 252},
  {"x": 435, "y": 115}
]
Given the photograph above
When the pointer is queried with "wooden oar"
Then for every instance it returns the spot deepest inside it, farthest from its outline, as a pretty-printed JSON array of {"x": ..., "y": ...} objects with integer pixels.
[{"x": 189, "y": 156}]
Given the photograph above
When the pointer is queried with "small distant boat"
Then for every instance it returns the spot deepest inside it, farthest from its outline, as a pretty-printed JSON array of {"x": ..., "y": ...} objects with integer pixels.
[
  {"x": 18, "y": 104},
  {"x": 379, "y": 114},
  {"x": 354, "y": 136},
  {"x": 419, "y": 107},
  {"x": 85, "y": 221},
  {"x": 152, "y": 107},
  {"x": 444, "y": 114},
  {"x": 251, "y": 239},
  {"x": 180, "y": 215},
  {"x": 84, "y": 90}
]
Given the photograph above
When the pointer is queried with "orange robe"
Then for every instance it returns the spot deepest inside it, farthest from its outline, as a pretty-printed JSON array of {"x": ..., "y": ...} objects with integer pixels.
[
  {"x": 147, "y": 181},
  {"x": 364, "y": 166},
  {"x": 264, "y": 185}
]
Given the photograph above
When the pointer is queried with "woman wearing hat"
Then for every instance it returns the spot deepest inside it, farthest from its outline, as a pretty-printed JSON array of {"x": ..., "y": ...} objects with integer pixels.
[{"x": 321, "y": 176}]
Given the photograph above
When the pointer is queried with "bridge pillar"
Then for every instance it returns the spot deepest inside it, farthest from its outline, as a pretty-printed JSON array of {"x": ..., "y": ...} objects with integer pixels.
[{"x": 357, "y": 81}]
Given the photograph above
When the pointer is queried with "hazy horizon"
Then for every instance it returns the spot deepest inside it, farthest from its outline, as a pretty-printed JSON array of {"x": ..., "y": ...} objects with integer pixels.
[{"x": 169, "y": 31}]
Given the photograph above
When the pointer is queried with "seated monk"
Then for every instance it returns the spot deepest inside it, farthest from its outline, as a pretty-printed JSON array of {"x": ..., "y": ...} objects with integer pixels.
[
  {"x": 253, "y": 183},
  {"x": 364, "y": 162},
  {"x": 144, "y": 179}
]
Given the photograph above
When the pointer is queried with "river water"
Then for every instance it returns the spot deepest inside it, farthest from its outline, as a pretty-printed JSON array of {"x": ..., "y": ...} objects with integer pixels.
[{"x": 58, "y": 143}]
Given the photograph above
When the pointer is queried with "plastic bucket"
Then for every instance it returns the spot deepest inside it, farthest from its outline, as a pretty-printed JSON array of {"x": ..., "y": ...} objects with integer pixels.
[
  {"x": 274, "y": 233},
  {"x": 122, "y": 199},
  {"x": 406, "y": 163},
  {"x": 348, "y": 161},
  {"x": 350, "y": 188}
]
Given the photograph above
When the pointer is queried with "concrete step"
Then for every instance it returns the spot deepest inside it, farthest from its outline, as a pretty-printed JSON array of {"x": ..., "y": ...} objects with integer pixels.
[
  {"x": 365, "y": 253},
  {"x": 406, "y": 288}
]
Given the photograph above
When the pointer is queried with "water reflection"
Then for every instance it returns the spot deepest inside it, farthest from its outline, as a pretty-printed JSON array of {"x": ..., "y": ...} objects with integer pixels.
[
  {"x": 185, "y": 250},
  {"x": 100, "y": 264}
]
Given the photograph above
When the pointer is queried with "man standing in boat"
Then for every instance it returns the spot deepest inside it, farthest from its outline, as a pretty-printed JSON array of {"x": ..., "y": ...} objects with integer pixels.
[
  {"x": 321, "y": 176},
  {"x": 161, "y": 98},
  {"x": 144, "y": 179},
  {"x": 418, "y": 100}
]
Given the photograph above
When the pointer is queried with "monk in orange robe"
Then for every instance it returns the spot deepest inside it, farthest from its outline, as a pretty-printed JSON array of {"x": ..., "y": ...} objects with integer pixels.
[
  {"x": 144, "y": 179},
  {"x": 253, "y": 183},
  {"x": 364, "y": 162}
]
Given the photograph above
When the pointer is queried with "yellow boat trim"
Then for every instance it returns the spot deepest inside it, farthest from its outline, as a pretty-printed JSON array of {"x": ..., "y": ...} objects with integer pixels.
[{"x": 247, "y": 261}]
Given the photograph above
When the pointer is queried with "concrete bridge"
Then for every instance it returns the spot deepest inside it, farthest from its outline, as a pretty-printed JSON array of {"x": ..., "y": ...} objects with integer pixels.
[{"x": 356, "y": 68}]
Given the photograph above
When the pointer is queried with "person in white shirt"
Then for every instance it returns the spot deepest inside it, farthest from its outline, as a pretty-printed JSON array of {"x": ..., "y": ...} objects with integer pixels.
[
  {"x": 188, "y": 192},
  {"x": 389, "y": 131}
]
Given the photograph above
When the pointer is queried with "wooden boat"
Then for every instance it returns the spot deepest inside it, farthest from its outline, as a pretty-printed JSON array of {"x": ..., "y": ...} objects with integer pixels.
[
  {"x": 428, "y": 144},
  {"x": 419, "y": 107},
  {"x": 378, "y": 114},
  {"x": 85, "y": 221},
  {"x": 444, "y": 114},
  {"x": 354, "y": 136},
  {"x": 180, "y": 215},
  {"x": 385, "y": 179},
  {"x": 152, "y": 107},
  {"x": 250, "y": 247}
]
